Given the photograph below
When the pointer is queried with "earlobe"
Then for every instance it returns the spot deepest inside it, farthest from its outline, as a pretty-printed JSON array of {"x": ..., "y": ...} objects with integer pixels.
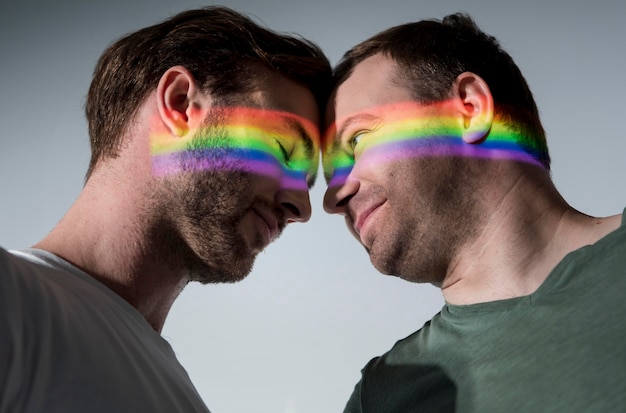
[
  {"x": 175, "y": 96},
  {"x": 475, "y": 105}
]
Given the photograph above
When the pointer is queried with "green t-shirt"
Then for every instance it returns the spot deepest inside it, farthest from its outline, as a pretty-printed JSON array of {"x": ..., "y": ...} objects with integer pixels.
[{"x": 561, "y": 349}]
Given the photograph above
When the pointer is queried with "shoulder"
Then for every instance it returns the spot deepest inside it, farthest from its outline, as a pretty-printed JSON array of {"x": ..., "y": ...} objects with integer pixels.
[
  {"x": 22, "y": 284},
  {"x": 406, "y": 373},
  {"x": 21, "y": 269},
  {"x": 404, "y": 377},
  {"x": 13, "y": 269},
  {"x": 407, "y": 351},
  {"x": 609, "y": 252},
  {"x": 31, "y": 283},
  {"x": 606, "y": 251}
]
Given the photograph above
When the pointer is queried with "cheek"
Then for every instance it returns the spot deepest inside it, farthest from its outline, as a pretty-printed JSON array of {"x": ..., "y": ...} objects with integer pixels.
[
  {"x": 262, "y": 186},
  {"x": 376, "y": 163},
  {"x": 294, "y": 180}
]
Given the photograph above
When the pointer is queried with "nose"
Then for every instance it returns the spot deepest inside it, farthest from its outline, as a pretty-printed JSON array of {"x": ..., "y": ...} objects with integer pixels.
[
  {"x": 295, "y": 204},
  {"x": 337, "y": 196}
]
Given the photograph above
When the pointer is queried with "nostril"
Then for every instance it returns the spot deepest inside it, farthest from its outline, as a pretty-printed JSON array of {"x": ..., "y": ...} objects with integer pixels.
[
  {"x": 343, "y": 202},
  {"x": 292, "y": 209},
  {"x": 294, "y": 206}
]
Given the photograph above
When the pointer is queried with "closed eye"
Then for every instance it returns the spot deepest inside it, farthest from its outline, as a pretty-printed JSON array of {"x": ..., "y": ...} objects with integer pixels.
[{"x": 286, "y": 154}]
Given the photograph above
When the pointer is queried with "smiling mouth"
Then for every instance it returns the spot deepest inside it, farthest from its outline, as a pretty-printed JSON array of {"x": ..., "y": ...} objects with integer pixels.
[
  {"x": 271, "y": 222},
  {"x": 364, "y": 217}
]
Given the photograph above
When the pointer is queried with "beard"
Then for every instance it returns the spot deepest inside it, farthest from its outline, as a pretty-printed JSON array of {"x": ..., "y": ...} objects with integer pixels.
[
  {"x": 429, "y": 222},
  {"x": 199, "y": 228},
  {"x": 203, "y": 210}
]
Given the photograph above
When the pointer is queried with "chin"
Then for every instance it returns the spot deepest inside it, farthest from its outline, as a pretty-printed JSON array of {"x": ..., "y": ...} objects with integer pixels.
[
  {"x": 383, "y": 266},
  {"x": 394, "y": 268},
  {"x": 226, "y": 271},
  {"x": 219, "y": 277}
]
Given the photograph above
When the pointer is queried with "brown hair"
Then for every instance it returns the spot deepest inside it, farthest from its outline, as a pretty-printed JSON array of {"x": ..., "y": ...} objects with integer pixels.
[
  {"x": 431, "y": 54},
  {"x": 219, "y": 46}
]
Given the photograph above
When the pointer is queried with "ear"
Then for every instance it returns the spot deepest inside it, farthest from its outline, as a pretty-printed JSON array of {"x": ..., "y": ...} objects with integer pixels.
[
  {"x": 177, "y": 97},
  {"x": 475, "y": 104}
]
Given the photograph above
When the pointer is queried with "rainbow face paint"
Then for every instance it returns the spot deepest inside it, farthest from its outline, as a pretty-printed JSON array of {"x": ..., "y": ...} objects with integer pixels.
[
  {"x": 410, "y": 130},
  {"x": 273, "y": 144}
]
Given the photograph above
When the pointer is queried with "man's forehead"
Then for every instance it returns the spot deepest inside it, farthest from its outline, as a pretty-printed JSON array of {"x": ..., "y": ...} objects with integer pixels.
[
  {"x": 268, "y": 118},
  {"x": 282, "y": 124},
  {"x": 372, "y": 83}
]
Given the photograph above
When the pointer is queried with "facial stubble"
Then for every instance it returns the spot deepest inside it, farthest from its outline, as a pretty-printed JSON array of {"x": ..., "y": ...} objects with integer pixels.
[
  {"x": 429, "y": 225},
  {"x": 205, "y": 207}
]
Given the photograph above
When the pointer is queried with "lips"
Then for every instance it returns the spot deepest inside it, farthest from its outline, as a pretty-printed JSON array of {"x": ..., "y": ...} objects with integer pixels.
[
  {"x": 270, "y": 220},
  {"x": 363, "y": 217}
]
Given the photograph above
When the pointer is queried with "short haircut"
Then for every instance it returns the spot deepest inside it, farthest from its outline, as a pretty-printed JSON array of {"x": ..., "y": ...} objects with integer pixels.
[
  {"x": 431, "y": 54},
  {"x": 222, "y": 49}
]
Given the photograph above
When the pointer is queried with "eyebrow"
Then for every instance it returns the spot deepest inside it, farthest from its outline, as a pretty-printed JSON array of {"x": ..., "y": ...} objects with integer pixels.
[{"x": 307, "y": 141}]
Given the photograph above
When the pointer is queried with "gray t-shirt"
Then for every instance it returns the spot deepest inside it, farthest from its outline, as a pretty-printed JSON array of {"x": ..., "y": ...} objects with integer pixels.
[{"x": 68, "y": 344}]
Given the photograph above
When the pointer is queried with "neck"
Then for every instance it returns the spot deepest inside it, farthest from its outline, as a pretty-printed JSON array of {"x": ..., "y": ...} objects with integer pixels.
[
  {"x": 527, "y": 231},
  {"x": 109, "y": 234}
]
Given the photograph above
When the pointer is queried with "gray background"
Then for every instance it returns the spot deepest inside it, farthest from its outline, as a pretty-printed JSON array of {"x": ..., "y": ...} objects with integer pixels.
[{"x": 293, "y": 336}]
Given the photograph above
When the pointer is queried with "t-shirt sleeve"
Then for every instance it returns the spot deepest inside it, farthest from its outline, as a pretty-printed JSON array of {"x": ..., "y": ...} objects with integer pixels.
[
  {"x": 354, "y": 403},
  {"x": 8, "y": 358}
]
